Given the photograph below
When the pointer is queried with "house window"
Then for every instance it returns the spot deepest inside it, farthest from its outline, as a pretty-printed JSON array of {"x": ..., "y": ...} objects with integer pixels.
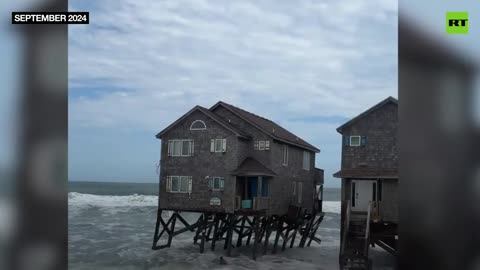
[
  {"x": 216, "y": 183},
  {"x": 180, "y": 148},
  {"x": 306, "y": 160},
  {"x": 179, "y": 184},
  {"x": 198, "y": 125},
  {"x": 218, "y": 145},
  {"x": 261, "y": 145},
  {"x": 285, "y": 155},
  {"x": 354, "y": 140},
  {"x": 300, "y": 192},
  {"x": 294, "y": 188}
]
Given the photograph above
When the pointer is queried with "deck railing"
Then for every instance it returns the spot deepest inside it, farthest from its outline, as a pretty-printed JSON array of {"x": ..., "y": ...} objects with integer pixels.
[
  {"x": 260, "y": 203},
  {"x": 257, "y": 203}
]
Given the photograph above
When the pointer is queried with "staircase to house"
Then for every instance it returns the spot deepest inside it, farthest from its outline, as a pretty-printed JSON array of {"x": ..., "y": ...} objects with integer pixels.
[{"x": 355, "y": 241}]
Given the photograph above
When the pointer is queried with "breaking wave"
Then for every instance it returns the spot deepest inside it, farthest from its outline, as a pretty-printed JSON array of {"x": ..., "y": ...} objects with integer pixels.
[{"x": 81, "y": 199}]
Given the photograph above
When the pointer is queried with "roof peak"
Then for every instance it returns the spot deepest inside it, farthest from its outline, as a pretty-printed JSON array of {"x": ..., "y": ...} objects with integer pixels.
[{"x": 385, "y": 101}]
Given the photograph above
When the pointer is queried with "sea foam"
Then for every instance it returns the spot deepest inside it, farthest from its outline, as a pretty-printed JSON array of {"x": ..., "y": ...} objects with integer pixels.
[{"x": 81, "y": 199}]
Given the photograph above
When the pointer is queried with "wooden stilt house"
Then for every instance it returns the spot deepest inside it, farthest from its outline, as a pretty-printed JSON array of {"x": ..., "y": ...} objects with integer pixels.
[
  {"x": 369, "y": 175},
  {"x": 228, "y": 164}
]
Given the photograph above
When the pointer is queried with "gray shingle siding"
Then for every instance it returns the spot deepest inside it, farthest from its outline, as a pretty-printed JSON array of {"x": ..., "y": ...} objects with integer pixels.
[
  {"x": 380, "y": 127},
  {"x": 204, "y": 163},
  {"x": 381, "y": 149}
]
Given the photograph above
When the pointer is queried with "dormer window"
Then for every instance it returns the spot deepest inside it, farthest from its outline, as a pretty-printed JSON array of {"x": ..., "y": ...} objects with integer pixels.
[{"x": 198, "y": 125}]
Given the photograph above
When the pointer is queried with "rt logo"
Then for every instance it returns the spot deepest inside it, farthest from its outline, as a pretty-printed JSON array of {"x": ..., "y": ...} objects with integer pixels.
[{"x": 457, "y": 22}]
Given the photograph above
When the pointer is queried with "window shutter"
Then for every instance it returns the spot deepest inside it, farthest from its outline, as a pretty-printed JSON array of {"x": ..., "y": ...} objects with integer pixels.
[
  {"x": 363, "y": 140},
  {"x": 212, "y": 145},
  {"x": 210, "y": 183},
  {"x": 224, "y": 145},
  {"x": 294, "y": 187},
  {"x": 189, "y": 184},
  {"x": 222, "y": 182},
  {"x": 346, "y": 140},
  {"x": 192, "y": 147}
]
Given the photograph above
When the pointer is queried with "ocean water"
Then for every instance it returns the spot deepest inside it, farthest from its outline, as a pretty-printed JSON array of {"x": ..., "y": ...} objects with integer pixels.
[{"x": 111, "y": 226}]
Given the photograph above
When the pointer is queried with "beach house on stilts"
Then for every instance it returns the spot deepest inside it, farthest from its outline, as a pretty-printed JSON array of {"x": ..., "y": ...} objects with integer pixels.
[
  {"x": 369, "y": 175},
  {"x": 245, "y": 175}
]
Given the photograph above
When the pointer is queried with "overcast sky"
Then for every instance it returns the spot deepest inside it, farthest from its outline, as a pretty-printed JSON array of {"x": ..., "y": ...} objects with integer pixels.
[{"x": 139, "y": 65}]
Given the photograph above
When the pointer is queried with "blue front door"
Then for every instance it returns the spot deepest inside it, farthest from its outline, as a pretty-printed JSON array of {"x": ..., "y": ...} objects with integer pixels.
[{"x": 252, "y": 186}]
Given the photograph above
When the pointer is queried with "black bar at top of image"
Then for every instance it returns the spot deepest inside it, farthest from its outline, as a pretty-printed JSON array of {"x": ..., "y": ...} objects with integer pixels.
[{"x": 58, "y": 17}]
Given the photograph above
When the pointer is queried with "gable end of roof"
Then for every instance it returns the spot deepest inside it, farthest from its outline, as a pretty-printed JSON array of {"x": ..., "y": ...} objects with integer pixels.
[
  {"x": 367, "y": 112},
  {"x": 208, "y": 114}
]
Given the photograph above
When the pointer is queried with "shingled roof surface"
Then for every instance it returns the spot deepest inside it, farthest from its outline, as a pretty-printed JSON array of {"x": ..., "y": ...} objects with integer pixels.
[
  {"x": 251, "y": 166},
  {"x": 267, "y": 126},
  {"x": 367, "y": 173}
]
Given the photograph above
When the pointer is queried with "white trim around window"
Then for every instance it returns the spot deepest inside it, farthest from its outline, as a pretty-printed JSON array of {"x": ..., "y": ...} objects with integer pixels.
[
  {"x": 357, "y": 141},
  {"x": 216, "y": 183},
  {"x": 180, "y": 148},
  {"x": 179, "y": 184},
  {"x": 306, "y": 160},
  {"x": 218, "y": 145},
  {"x": 198, "y": 122}
]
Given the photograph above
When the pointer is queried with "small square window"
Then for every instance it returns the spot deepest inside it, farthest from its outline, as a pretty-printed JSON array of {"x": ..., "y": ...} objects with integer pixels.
[
  {"x": 355, "y": 141},
  {"x": 261, "y": 145}
]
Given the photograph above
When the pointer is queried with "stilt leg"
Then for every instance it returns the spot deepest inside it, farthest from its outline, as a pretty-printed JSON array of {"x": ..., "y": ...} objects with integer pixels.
[
  {"x": 240, "y": 233},
  {"x": 229, "y": 235},
  {"x": 172, "y": 229},
  {"x": 251, "y": 230},
  {"x": 202, "y": 228},
  {"x": 197, "y": 233},
  {"x": 255, "y": 228},
  {"x": 215, "y": 230},
  {"x": 285, "y": 239},
  {"x": 294, "y": 235},
  {"x": 267, "y": 234},
  {"x": 277, "y": 236},
  {"x": 157, "y": 226}
]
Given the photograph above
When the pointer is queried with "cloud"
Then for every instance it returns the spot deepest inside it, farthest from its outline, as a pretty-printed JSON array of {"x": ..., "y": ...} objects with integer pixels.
[{"x": 281, "y": 59}]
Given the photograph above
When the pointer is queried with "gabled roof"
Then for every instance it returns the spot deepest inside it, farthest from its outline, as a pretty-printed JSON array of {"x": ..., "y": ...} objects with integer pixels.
[
  {"x": 267, "y": 126},
  {"x": 252, "y": 167},
  {"x": 367, "y": 112},
  {"x": 208, "y": 113},
  {"x": 390, "y": 173}
]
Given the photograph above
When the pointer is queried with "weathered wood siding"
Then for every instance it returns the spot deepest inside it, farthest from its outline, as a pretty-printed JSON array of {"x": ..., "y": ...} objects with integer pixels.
[
  {"x": 280, "y": 187},
  {"x": 381, "y": 149},
  {"x": 389, "y": 203},
  {"x": 282, "y": 184},
  {"x": 204, "y": 163}
]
